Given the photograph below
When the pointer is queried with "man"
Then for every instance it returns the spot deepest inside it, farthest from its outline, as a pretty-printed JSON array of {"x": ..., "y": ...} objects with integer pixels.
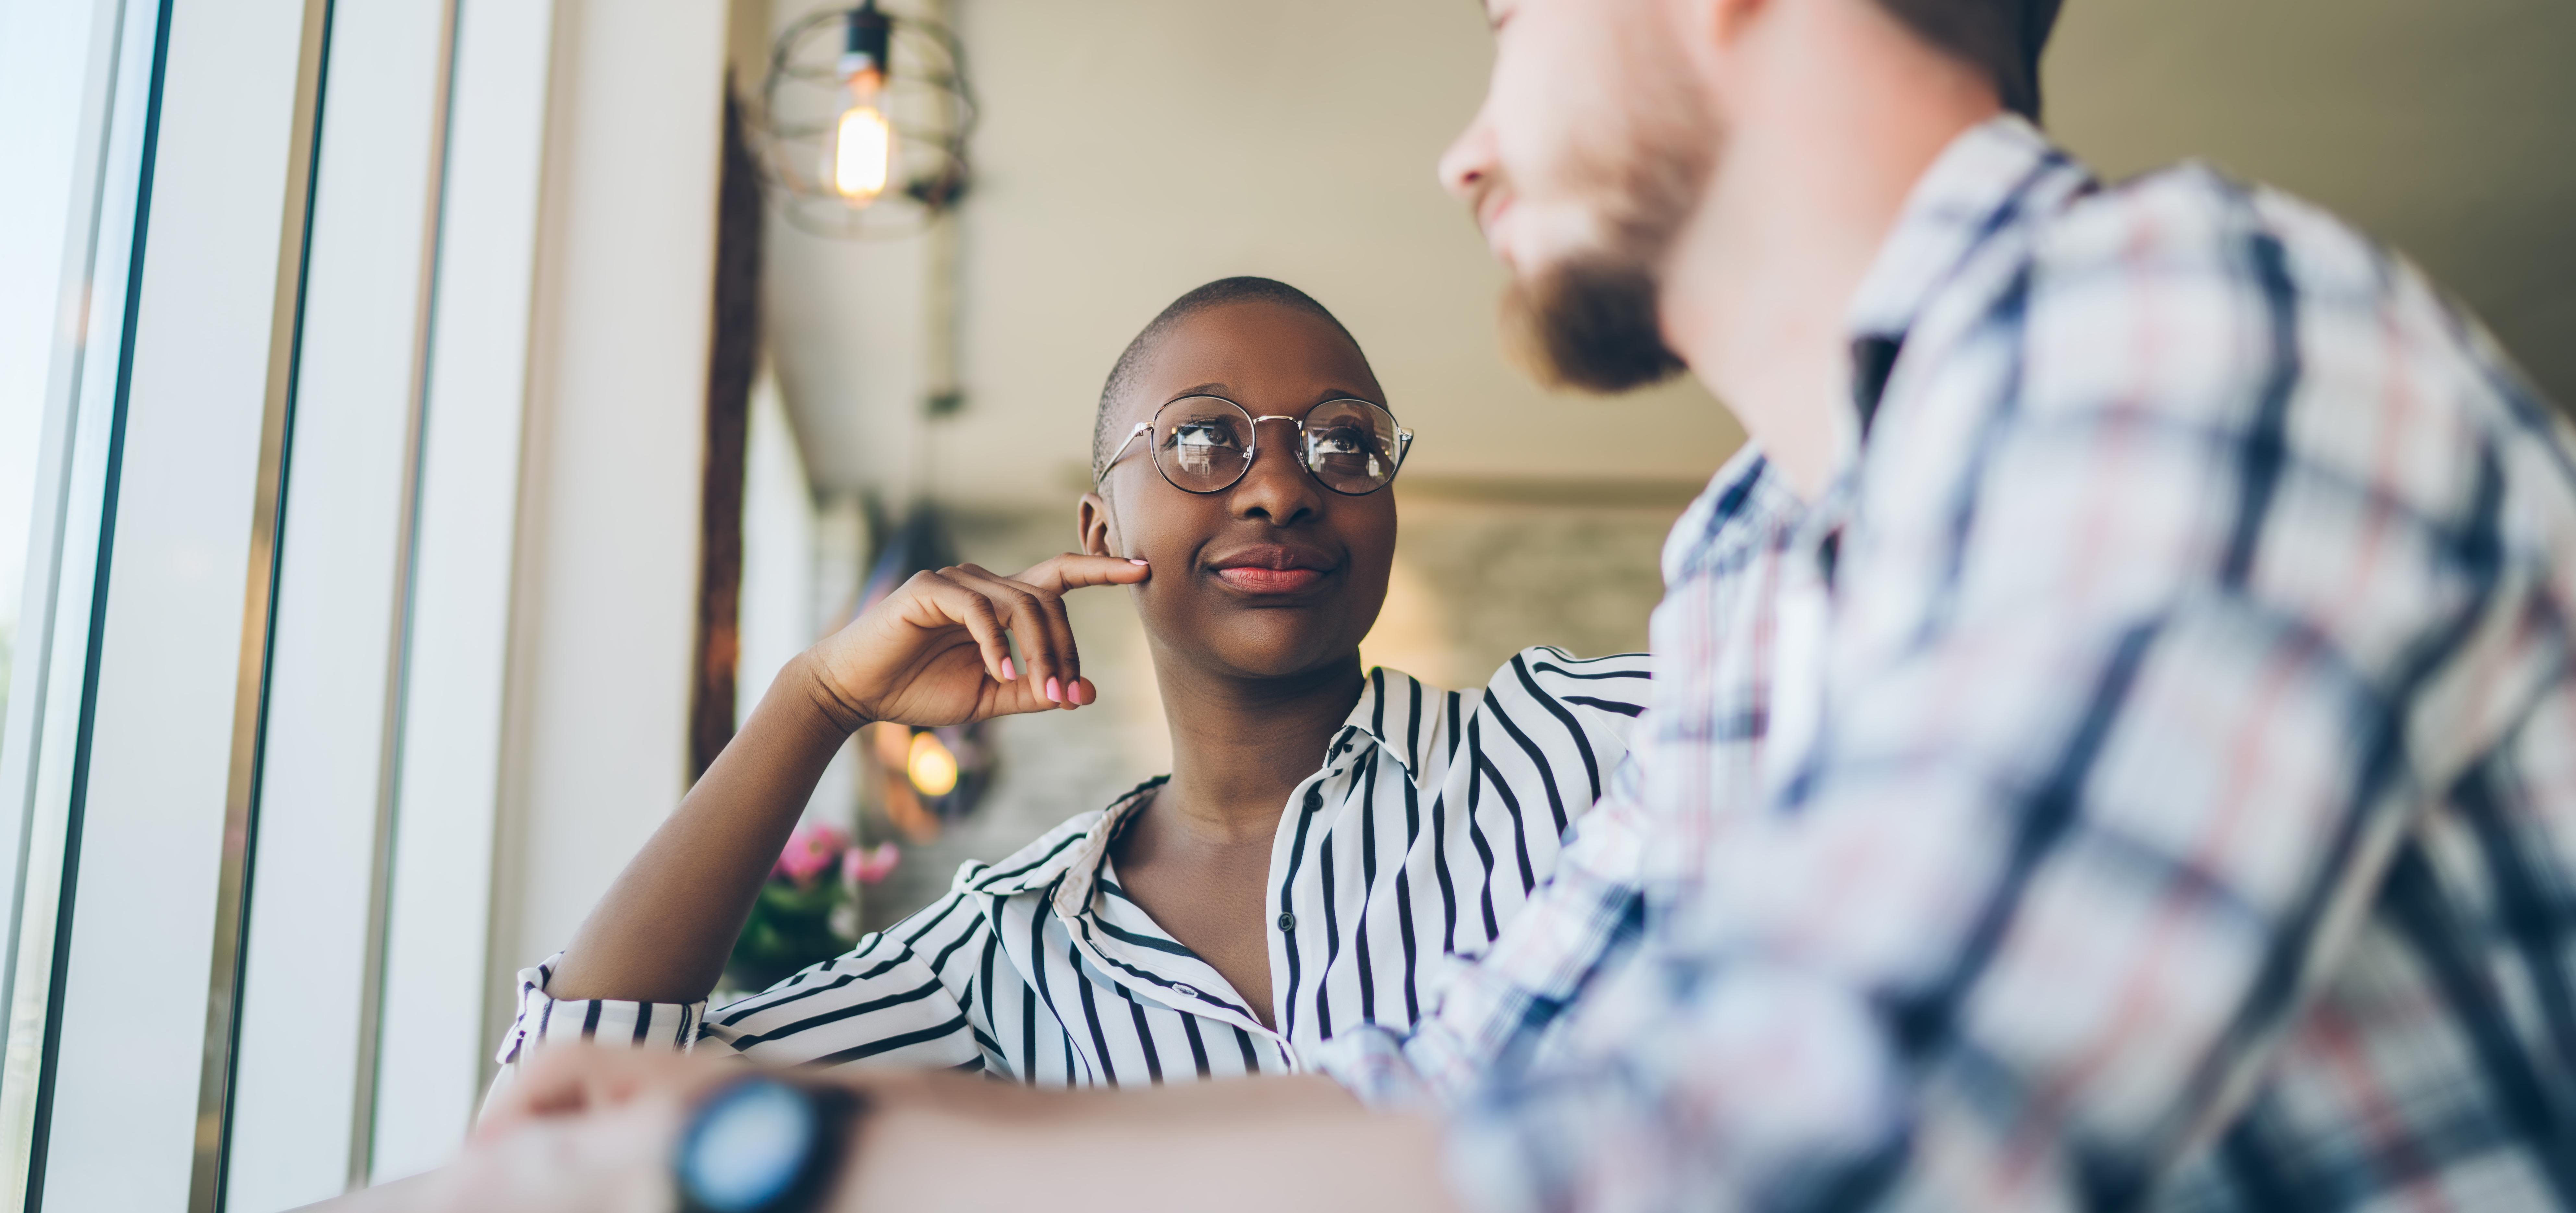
[{"x": 2114, "y": 738}]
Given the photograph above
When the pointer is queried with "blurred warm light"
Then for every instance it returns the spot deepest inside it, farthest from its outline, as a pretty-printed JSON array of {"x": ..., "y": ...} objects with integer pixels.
[
  {"x": 862, "y": 152},
  {"x": 932, "y": 768}
]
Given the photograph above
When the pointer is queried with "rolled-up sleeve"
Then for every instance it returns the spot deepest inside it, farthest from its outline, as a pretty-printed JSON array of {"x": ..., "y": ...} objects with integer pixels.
[{"x": 544, "y": 1019}]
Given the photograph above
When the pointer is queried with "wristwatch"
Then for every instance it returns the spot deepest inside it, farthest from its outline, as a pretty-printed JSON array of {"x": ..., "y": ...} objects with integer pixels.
[{"x": 763, "y": 1145}]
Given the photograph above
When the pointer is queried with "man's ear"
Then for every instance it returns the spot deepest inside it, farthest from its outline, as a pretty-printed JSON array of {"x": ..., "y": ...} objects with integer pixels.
[{"x": 1093, "y": 528}]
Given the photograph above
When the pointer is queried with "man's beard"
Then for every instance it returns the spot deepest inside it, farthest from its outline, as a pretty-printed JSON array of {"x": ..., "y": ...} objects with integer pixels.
[
  {"x": 1593, "y": 320},
  {"x": 1591, "y": 324}
]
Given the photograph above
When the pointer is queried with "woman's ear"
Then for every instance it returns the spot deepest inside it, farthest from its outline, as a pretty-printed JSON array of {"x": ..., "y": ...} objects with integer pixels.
[{"x": 1094, "y": 531}]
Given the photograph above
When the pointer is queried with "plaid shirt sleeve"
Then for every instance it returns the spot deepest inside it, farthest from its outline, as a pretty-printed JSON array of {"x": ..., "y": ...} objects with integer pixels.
[
  {"x": 2198, "y": 571},
  {"x": 1493, "y": 1012}
]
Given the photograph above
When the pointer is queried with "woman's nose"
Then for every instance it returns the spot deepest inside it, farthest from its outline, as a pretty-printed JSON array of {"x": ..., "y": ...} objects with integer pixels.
[{"x": 1276, "y": 486}]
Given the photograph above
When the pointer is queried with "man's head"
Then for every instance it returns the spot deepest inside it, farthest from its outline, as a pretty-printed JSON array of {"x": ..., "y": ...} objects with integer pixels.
[{"x": 1602, "y": 128}]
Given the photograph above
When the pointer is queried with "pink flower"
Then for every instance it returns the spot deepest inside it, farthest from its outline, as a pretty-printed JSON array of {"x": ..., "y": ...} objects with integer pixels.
[
  {"x": 810, "y": 852},
  {"x": 871, "y": 865}
]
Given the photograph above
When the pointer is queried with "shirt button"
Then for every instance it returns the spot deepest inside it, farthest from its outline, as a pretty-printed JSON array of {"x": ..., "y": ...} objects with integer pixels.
[
  {"x": 1184, "y": 991},
  {"x": 1287, "y": 922}
]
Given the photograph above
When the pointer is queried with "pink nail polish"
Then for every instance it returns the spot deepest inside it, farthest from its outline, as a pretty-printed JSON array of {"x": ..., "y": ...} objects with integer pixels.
[
  {"x": 1055, "y": 693},
  {"x": 1133, "y": 560},
  {"x": 1007, "y": 672}
]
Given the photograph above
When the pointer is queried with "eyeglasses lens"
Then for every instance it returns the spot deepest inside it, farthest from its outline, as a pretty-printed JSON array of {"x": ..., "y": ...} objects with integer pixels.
[
  {"x": 1351, "y": 446},
  {"x": 1202, "y": 443}
]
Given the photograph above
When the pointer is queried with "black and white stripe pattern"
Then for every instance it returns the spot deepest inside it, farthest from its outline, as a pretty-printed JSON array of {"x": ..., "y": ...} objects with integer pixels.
[{"x": 1434, "y": 816}]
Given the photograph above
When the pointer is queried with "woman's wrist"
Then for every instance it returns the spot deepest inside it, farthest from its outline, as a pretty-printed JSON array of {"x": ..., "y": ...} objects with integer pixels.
[{"x": 806, "y": 680}]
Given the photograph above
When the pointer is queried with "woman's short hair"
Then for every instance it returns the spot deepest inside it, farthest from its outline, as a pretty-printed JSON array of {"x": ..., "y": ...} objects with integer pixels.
[{"x": 1241, "y": 289}]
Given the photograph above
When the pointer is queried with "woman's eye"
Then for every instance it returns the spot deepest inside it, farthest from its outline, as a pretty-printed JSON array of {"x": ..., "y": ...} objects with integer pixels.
[
  {"x": 1339, "y": 442},
  {"x": 1202, "y": 436}
]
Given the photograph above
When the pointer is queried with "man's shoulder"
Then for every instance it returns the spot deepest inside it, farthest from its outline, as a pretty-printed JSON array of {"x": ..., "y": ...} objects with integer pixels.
[
  {"x": 2193, "y": 214},
  {"x": 2190, "y": 241},
  {"x": 2188, "y": 293}
]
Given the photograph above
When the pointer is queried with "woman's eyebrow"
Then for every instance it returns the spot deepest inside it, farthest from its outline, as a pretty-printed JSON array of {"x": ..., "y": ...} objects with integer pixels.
[{"x": 1222, "y": 392}]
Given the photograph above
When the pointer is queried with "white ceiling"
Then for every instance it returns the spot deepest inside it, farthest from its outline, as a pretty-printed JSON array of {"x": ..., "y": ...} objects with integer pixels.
[{"x": 1132, "y": 149}]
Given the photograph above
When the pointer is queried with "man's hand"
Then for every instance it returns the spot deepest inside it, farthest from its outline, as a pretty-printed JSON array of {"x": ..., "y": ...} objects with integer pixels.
[
  {"x": 934, "y": 651},
  {"x": 575, "y": 1080},
  {"x": 585, "y": 1130}
]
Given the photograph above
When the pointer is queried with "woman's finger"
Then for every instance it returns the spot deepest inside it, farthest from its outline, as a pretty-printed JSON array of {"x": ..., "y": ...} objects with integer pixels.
[
  {"x": 1073, "y": 571},
  {"x": 1024, "y": 609},
  {"x": 1067, "y": 667},
  {"x": 968, "y": 607},
  {"x": 1068, "y": 655}
]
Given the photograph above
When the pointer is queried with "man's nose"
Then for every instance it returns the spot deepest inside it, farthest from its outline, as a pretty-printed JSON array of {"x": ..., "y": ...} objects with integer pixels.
[{"x": 1469, "y": 161}]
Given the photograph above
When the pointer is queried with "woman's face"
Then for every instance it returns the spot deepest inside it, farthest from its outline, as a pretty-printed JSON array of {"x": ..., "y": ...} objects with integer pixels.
[{"x": 1277, "y": 575}]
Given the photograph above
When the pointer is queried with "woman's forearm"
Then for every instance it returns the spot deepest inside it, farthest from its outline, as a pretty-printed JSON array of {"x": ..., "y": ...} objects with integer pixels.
[{"x": 662, "y": 932}]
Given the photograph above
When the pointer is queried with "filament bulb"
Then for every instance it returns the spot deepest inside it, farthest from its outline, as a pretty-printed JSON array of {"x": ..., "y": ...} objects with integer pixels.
[{"x": 860, "y": 158}]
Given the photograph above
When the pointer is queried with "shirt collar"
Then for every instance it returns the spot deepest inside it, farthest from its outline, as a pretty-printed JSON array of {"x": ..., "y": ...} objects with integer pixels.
[
  {"x": 1074, "y": 847},
  {"x": 1992, "y": 176},
  {"x": 1395, "y": 710},
  {"x": 1992, "y": 179}
]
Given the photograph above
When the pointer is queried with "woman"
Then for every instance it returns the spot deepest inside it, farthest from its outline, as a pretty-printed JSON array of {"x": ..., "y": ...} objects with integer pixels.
[{"x": 1327, "y": 837}]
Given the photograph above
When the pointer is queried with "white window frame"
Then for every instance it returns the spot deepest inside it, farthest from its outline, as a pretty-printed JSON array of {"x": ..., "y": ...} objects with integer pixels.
[{"x": 270, "y": 596}]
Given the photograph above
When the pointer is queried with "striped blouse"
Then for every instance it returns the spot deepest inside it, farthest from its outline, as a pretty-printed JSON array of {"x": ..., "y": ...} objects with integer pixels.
[{"x": 1433, "y": 817}]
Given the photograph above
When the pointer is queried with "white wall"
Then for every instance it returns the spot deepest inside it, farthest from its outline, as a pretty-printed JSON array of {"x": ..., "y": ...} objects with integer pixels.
[
  {"x": 609, "y": 524},
  {"x": 779, "y": 529}
]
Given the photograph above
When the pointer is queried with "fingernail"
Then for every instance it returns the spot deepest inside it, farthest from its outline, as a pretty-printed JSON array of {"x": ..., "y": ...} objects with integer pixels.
[
  {"x": 1008, "y": 674},
  {"x": 1133, "y": 560},
  {"x": 1054, "y": 693}
]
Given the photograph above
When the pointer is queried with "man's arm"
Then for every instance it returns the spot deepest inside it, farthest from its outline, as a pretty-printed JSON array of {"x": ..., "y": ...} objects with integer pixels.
[
  {"x": 1293, "y": 1145},
  {"x": 592, "y": 1130}
]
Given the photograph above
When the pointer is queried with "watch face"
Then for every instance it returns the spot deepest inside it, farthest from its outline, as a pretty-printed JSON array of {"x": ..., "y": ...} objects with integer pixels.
[{"x": 748, "y": 1147}]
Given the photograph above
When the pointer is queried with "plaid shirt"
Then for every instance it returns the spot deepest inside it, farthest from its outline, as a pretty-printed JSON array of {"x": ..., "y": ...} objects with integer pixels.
[{"x": 2145, "y": 777}]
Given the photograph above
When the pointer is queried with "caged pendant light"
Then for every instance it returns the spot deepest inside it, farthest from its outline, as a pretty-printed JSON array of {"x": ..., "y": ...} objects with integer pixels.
[{"x": 864, "y": 121}]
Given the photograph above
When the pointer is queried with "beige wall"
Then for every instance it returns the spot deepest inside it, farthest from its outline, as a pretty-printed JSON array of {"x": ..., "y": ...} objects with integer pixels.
[
  {"x": 1132, "y": 149},
  {"x": 2440, "y": 128}
]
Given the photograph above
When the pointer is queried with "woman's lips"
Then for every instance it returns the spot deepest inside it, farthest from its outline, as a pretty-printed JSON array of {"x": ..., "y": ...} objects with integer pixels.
[{"x": 1270, "y": 581}]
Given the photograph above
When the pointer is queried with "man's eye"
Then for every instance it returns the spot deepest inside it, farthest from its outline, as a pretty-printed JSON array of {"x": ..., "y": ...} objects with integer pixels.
[
  {"x": 1202, "y": 436},
  {"x": 1340, "y": 442}
]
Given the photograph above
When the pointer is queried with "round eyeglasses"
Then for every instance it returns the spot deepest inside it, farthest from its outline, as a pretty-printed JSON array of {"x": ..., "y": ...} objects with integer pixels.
[{"x": 1204, "y": 444}]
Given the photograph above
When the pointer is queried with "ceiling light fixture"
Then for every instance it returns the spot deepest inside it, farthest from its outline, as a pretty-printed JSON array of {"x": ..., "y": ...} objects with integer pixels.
[{"x": 864, "y": 121}]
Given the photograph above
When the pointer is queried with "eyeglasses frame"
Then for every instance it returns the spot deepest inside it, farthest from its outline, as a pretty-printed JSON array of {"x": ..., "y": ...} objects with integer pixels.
[{"x": 1403, "y": 444}]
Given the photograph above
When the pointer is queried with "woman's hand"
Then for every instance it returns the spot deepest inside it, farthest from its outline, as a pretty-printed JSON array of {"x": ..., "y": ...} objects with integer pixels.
[{"x": 934, "y": 651}]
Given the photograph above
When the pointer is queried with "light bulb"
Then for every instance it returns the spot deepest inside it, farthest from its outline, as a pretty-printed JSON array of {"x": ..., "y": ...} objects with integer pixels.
[
  {"x": 932, "y": 768},
  {"x": 860, "y": 159}
]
